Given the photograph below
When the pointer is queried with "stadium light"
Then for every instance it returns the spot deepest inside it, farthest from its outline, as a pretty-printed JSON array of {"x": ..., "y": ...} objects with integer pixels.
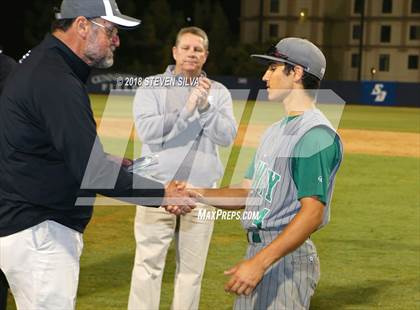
[
  {"x": 303, "y": 13},
  {"x": 372, "y": 73}
]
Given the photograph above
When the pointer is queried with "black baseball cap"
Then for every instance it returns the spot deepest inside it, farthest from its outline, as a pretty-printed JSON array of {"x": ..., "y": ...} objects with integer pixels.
[
  {"x": 296, "y": 51},
  {"x": 106, "y": 9}
]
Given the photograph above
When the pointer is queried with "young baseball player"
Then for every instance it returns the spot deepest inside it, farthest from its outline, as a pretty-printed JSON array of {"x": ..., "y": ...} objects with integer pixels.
[{"x": 293, "y": 174}]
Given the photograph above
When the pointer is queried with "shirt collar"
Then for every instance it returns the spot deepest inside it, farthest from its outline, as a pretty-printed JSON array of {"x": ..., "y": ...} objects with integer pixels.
[
  {"x": 170, "y": 70},
  {"x": 77, "y": 65}
]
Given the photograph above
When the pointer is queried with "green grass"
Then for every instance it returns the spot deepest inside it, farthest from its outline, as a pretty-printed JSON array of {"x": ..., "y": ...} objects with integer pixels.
[
  {"x": 381, "y": 118},
  {"x": 353, "y": 116},
  {"x": 370, "y": 251}
]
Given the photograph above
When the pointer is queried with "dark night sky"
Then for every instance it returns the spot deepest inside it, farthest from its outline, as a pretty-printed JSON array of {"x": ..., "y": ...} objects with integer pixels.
[
  {"x": 12, "y": 20},
  {"x": 11, "y": 29},
  {"x": 231, "y": 8}
]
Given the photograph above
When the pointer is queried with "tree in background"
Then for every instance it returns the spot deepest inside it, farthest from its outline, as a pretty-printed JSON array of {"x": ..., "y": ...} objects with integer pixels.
[
  {"x": 37, "y": 20},
  {"x": 220, "y": 37},
  {"x": 202, "y": 14},
  {"x": 148, "y": 49}
]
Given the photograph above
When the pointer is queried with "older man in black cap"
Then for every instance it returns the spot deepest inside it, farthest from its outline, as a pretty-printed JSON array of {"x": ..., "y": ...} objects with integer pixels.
[{"x": 50, "y": 151}]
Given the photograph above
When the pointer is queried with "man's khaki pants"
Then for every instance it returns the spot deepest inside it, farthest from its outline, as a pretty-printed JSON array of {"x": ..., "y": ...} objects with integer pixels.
[
  {"x": 154, "y": 231},
  {"x": 41, "y": 264}
]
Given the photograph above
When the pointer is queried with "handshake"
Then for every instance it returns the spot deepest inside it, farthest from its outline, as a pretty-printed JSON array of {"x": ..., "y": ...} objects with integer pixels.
[{"x": 178, "y": 199}]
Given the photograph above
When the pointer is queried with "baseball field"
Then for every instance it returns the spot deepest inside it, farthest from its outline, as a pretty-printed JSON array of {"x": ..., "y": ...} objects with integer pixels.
[{"x": 369, "y": 252}]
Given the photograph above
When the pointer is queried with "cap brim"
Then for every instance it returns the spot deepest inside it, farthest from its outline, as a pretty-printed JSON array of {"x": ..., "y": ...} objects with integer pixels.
[
  {"x": 123, "y": 20},
  {"x": 265, "y": 59}
]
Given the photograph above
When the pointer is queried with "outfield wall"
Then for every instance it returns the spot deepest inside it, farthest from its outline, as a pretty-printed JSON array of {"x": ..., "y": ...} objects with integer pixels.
[{"x": 376, "y": 93}]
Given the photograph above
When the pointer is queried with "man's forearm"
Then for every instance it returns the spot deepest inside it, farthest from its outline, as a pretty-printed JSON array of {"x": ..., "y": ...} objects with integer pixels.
[
  {"x": 219, "y": 127},
  {"x": 159, "y": 128}
]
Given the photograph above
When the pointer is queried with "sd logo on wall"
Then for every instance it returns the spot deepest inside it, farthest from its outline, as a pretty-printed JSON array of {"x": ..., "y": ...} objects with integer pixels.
[{"x": 378, "y": 93}]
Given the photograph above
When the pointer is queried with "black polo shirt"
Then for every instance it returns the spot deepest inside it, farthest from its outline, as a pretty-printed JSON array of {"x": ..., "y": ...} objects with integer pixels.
[
  {"x": 47, "y": 134},
  {"x": 6, "y": 66}
]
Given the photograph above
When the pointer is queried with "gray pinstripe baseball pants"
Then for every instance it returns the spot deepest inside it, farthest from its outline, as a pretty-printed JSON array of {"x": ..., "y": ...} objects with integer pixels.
[{"x": 288, "y": 284}]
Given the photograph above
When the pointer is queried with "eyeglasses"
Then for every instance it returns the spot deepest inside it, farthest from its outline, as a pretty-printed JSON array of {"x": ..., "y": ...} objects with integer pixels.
[{"x": 110, "y": 32}]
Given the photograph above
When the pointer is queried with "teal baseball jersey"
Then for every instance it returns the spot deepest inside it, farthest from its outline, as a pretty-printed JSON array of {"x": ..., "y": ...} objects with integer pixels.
[
  {"x": 297, "y": 157},
  {"x": 311, "y": 174}
]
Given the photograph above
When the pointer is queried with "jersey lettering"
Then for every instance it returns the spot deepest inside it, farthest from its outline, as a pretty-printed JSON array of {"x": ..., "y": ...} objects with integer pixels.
[
  {"x": 261, "y": 216},
  {"x": 258, "y": 178},
  {"x": 273, "y": 179},
  {"x": 265, "y": 179}
]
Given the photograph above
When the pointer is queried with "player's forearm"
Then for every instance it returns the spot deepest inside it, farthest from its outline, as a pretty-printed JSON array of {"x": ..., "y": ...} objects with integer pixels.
[
  {"x": 299, "y": 229},
  {"x": 223, "y": 198}
]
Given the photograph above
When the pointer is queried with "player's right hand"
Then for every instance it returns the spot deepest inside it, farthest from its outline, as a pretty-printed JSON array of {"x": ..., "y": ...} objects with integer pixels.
[
  {"x": 244, "y": 277},
  {"x": 177, "y": 199}
]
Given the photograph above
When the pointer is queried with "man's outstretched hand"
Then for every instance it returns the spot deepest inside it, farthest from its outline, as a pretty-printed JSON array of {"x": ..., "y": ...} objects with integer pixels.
[{"x": 177, "y": 199}]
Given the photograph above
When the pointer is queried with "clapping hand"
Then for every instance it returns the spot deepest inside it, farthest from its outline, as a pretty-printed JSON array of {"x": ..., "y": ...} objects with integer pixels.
[{"x": 199, "y": 95}]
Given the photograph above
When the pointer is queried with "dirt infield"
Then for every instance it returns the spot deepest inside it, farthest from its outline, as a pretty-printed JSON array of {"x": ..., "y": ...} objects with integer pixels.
[{"x": 357, "y": 141}]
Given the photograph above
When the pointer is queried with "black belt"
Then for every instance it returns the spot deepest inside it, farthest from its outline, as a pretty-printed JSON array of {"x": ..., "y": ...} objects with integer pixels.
[{"x": 255, "y": 236}]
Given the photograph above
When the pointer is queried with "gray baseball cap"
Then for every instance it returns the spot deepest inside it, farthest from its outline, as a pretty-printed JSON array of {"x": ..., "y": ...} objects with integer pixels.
[
  {"x": 106, "y": 9},
  {"x": 296, "y": 51}
]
